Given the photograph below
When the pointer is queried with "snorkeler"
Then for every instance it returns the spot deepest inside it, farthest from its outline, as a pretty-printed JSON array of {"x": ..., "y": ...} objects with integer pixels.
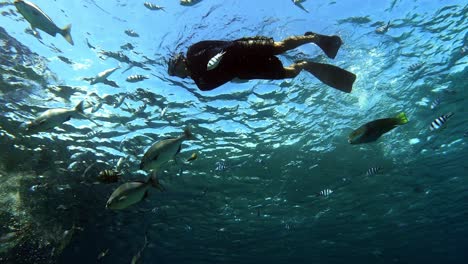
[{"x": 213, "y": 63}]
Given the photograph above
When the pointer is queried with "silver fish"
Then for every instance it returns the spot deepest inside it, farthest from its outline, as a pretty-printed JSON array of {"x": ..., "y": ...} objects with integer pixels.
[
  {"x": 131, "y": 193},
  {"x": 102, "y": 77},
  {"x": 54, "y": 117},
  {"x": 136, "y": 78},
  {"x": 373, "y": 171},
  {"x": 163, "y": 151},
  {"x": 214, "y": 62},
  {"x": 440, "y": 121},
  {"x": 38, "y": 19},
  {"x": 383, "y": 29}
]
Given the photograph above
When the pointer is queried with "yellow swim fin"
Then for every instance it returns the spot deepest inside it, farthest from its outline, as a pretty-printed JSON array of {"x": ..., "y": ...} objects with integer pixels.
[{"x": 402, "y": 119}]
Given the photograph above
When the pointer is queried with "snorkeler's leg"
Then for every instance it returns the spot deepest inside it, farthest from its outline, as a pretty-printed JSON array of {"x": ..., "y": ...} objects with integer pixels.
[
  {"x": 328, "y": 74},
  {"x": 329, "y": 44}
]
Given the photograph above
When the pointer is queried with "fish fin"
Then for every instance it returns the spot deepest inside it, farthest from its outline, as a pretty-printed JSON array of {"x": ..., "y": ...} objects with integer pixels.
[
  {"x": 156, "y": 157},
  {"x": 122, "y": 198},
  {"x": 402, "y": 119},
  {"x": 145, "y": 195},
  {"x": 178, "y": 150},
  {"x": 449, "y": 115},
  {"x": 155, "y": 182},
  {"x": 332, "y": 76},
  {"x": 111, "y": 83},
  {"x": 79, "y": 108},
  {"x": 66, "y": 33},
  {"x": 188, "y": 134},
  {"x": 329, "y": 44}
]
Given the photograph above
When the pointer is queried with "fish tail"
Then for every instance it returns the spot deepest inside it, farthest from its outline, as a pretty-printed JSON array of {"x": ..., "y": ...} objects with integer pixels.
[
  {"x": 401, "y": 118},
  {"x": 66, "y": 33},
  {"x": 79, "y": 108},
  {"x": 155, "y": 182},
  {"x": 449, "y": 114},
  {"x": 188, "y": 134}
]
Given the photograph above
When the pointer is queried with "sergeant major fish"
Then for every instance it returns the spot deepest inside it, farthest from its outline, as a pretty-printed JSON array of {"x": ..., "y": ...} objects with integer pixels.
[
  {"x": 440, "y": 121},
  {"x": 214, "y": 62},
  {"x": 152, "y": 6},
  {"x": 325, "y": 192},
  {"x": 373, "y": 171},
  {"x": 54, "y": 117},
  {"x": 163, "y": 151},
  {"x": 131, "y": 193},
  {"x": 136, "y": 78},
  {"x": 38, "y": 19},
  {"x": 372, "y": 131}
]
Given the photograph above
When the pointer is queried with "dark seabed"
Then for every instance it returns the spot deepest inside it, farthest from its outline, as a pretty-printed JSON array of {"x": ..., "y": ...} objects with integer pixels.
[{"x": 275, "y": 180}]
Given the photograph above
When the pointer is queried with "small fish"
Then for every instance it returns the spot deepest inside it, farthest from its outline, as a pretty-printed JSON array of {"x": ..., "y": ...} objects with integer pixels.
[
  {"x": 163, "y": 112},
  {"x": 415, "y": 66},
  {"x": 372, "y": 131},
  {"x": 127, "y": 46},
  {"x": 109, "y": 176},
  {"x": 38, "y": 19},
  {"x": 220, "y": 166},
  {"x": 136, "y": 258},
  {"x": 163, "y": 151},
  {"x": 102, "y": 254},
  {"x": 440, "y": 121},
  {"x": 325, "y": 193},
  {"x": 373, "y": 171},
  {"x": 131, "y": 193},
  {"x": 54, "y": 117},
  {"x": 194, "y": 156},
  {"x": 65, "y": 59},
  {"x": 214, "y": 62},
  {"x": 298, "y": 3},
  {"x": 136, "y": 78},
  {"x": 465, "y": 134},
  {"x": 102, "y": 78},
  {"x": 383, "y": 29},
  {"x": 131, "y": 33},
  {"x": 152, "y": 6},
  {"x": 435, "y": 103},
  {"x": 189, "y": 2},
  {"x": 120, "y": 163}
]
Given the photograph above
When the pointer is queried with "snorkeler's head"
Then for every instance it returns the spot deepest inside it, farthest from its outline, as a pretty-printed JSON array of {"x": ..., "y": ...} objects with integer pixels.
[{"x": 176, "y": 66}]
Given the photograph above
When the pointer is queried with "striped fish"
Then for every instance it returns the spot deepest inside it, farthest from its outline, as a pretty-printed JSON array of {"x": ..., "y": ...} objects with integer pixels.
[
  {"x": 152, "y": 6},
  {"x": 136, "y": 78},
  {"x": 220, "y": 166},
  {"x": 440, "y": 121},
  {"x": 373, "y": 171},
  {"x": 214, "y": 62},
  {"x": 325, "y": 192},
  {"x": 435, "y": 103}
]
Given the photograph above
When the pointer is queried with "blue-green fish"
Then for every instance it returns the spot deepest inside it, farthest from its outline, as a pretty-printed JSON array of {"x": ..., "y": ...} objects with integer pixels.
[
  {"x": 164, "y": 151},
  {"x": 38, "y": 19},
  {"x": 131, "y": 193}
]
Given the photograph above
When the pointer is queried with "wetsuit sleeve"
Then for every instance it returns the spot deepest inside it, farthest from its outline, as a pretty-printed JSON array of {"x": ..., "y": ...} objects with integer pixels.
[{"x": 198, "y": 56}]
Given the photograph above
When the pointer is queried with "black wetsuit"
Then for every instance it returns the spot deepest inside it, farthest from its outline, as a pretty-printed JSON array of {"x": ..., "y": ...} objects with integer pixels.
[{"x": 246, "y": 58}]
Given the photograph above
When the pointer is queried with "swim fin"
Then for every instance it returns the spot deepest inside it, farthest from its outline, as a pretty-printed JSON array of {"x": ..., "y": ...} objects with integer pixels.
[
  {"x": 329, "y": 44},
  {"x": 332, "y": 76}
]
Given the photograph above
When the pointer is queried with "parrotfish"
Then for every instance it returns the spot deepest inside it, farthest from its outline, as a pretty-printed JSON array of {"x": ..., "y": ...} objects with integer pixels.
[{"x": 372, "y": 131}]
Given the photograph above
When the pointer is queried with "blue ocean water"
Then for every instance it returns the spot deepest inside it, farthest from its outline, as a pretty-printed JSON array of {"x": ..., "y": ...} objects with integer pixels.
[{"x": 266, "y": 149}]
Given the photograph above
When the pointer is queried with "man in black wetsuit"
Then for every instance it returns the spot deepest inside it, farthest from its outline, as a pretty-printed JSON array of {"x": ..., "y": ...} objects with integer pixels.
[{"x": 213, "y": 63}]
